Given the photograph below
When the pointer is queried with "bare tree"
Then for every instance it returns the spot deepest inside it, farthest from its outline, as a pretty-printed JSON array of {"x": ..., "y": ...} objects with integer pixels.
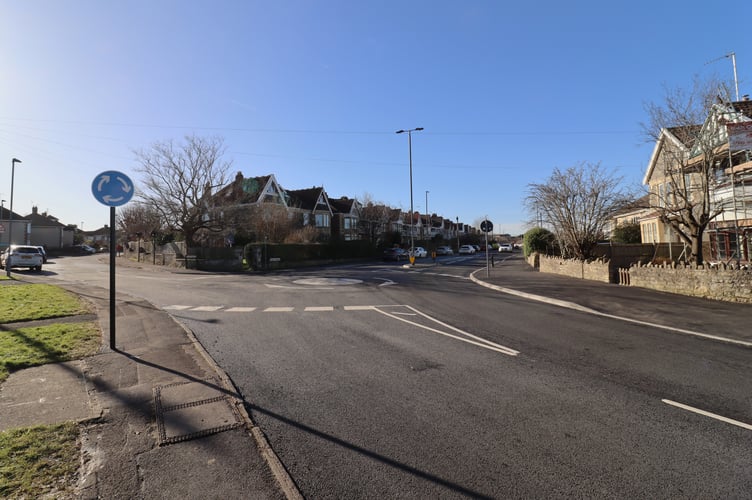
[
  {"x": 137, "y": 218},
  {"x": 180, "y": 181},
  {"x": 576, "y": 204},
  {"x": 686, "y": 174},
  {"x": 374, "y": 217}
]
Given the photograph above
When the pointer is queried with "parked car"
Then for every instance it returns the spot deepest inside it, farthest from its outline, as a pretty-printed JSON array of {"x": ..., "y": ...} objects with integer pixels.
[
  {"x": 420, "y": 252},
  {"x": 84, "y": 249},
  {"x": 21, "y": 256},
  {"x": 444, "y": 251},
  {"x": 466, "y": 250},
  {"x": 506, "y": 247},
  {"x": 395, "y": 254},
  {"x": 44, "y": 254},
  {"x": 476, "y": 247}
]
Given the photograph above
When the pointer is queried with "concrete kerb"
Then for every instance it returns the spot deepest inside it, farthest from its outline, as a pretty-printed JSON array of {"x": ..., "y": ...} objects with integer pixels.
[
  {"x": 286, "y": 483},
  {"x": 530, "y": 296},
  {"x": 587, "y": 310}
]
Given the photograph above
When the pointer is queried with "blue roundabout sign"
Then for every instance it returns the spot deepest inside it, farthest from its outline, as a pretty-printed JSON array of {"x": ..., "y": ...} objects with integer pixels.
[{"x": 112, "y": 188}]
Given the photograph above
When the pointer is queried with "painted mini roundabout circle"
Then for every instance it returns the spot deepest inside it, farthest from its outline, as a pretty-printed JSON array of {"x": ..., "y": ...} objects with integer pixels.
[{"x": 327, "y": 281}]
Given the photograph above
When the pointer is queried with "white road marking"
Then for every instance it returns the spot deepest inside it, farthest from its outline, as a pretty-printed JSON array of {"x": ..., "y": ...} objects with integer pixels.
[
  {"x": 328, "y": 281},
  {"x": 587, "y": 310},
  {"x": 478, "y": 341},
  {"x": 398, "y": 315},
  {"x": 207, "y": 308},
  {"x": 708, "y": 414},
  {"x": 268, "y": 285}
]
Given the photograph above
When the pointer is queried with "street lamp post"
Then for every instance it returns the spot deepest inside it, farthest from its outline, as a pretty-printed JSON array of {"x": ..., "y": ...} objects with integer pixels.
[
  {"x": 428, "y": 218},
  {"x": 410, "y": 153},
  {"x": 458, "y": 234},
  {"x": 10, "y": 216}
]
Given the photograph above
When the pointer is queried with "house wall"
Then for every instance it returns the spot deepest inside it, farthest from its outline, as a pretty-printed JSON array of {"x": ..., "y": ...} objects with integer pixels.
[{"x": 48, "y": 237}]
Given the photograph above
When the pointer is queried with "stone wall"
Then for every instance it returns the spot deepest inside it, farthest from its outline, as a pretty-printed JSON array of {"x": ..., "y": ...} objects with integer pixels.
[
  {"x": 727, "y": 283},
  {"x": 596, "y": 270},
  {"x": 718, "y": 282}
]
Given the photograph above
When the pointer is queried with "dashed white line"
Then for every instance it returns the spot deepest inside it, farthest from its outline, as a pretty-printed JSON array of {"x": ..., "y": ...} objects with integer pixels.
[
  {"x": 279, "y": 309},
  {"x": 207, "y": 308},
  {"x": 707, "y": 414},
  {"x": 319, "y": 309},
  {"x": 240, "y": 309},
  {"x": 358, "y": 308}
]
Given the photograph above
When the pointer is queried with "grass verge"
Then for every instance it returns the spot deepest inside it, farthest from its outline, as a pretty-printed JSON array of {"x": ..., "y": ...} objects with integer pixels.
[
  {"x": 31, "y": 302},
  {"x": 39, "y": 461},
  {"x": 26, "y": 347}
]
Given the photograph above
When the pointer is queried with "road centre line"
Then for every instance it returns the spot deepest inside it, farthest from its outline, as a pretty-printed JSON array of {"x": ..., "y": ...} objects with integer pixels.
[
  {"x": 587, "y": 310},
  {"x": 708, "y": 414},
  {"x": 279, "y": 309},
  {"x": 319, "y": 308},
  {"x": 240, "y": 309}
]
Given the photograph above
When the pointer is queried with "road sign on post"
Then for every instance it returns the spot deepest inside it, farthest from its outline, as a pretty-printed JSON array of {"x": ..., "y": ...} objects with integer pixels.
[
  {"x": 486, "y": 226},
  {"x": 112, "y": 188}
]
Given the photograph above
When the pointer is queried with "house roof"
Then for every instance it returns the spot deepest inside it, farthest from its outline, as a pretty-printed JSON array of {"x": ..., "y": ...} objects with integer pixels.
[
  {"x": 343, "y": 205},
  {"x": 43, "y": 219},
  {"x": 744, "y": 107},
  {"x": 246, "y": 190},
  {"x": 311, "y": 199},
  {"x": 679, "y": 137}
]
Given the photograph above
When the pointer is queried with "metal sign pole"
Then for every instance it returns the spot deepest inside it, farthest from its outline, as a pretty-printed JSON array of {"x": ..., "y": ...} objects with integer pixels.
[
  {"x": 112, "y": 188},
  {"x": 112, "y": 278}
]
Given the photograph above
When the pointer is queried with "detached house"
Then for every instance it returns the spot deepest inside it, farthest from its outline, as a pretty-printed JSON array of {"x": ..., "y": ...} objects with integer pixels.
[
  {"x": 694, "y": 167},
  {"x": 670, "y": 152}
]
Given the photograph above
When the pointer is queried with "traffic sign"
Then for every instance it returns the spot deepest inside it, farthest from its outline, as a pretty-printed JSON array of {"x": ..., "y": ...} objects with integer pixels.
[
  {"x": 486, "y": 226},
  {"x": 112, "y": 188}
]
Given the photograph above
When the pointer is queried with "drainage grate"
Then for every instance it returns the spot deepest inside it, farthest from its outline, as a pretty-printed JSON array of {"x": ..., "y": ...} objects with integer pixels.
[{"x": 189, "y": 410}]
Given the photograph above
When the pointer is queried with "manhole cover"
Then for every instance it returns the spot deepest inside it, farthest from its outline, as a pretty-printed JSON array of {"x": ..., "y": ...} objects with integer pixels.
[{"x": 188, "y": 410}]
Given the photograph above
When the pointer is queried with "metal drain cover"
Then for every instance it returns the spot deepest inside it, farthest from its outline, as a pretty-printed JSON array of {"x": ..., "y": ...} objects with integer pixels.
[{"x": 188, "y": 410}]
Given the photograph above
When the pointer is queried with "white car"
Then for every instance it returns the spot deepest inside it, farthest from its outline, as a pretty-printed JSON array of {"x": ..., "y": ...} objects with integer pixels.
[
  {"x": 466, "y": 249},
  {"x": 506, "y": 247},
  {"x": 22, "y": 256},
  {"x": 420, "y": 252}
]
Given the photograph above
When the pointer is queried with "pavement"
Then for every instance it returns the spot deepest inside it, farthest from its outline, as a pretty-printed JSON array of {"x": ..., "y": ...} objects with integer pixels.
[{"x": 161, "y": 420}]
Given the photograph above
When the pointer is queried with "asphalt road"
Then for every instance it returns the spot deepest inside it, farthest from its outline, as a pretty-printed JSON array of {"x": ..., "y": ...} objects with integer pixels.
[{"x": 391, "y": 382}]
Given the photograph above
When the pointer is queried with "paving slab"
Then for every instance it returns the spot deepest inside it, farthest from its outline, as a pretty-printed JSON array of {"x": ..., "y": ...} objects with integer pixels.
[{"x": 46, "y": 394}]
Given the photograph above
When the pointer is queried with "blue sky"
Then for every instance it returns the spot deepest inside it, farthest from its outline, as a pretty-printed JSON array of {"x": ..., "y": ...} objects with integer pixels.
[{"x": 313, "y": 92}]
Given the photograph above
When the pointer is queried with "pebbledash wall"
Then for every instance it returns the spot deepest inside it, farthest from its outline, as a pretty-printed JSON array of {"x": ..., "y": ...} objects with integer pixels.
[{"x": 718, "y": 282}]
